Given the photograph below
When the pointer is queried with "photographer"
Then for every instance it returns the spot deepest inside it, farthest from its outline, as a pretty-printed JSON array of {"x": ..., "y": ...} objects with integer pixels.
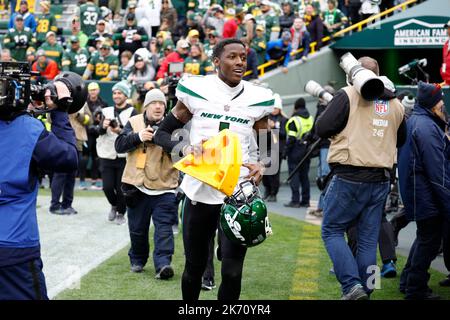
[
  {"x": 149, "y": 183},
  {"x": 26, "y": 147},
  {"x": 111, "y": 162},
  {"x": 364, "y": 138},
  {"x": 141, "y": 76}
]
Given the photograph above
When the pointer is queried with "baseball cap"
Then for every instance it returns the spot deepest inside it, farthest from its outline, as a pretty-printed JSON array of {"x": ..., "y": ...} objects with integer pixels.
[
  {"x": 105, "y": 44},
  {"x": 18, "y": 17},
  {"x": 260, "y": 27},
  {"x": 131, "y": 16},
  {"x": 50, "y": 33},
  {"x": 132, "y": 4},
  {"x": 248, "y": 17},
  {"x": 447, "y": 25},
  {"x": 101, "y": 21},
  {"x": 24, "y": 2},
  {"x": 40, "y": 52},
  {"x": 265, "y": 3},
  {"x": 154, "y": 95},
  {"x": 239, "y": 10},
  {"x": 217, "y": 8},
  {"x": 31, "y": 51},
  {"x": 193, "y": 33},
  {"x": 93, "y": 86},
  {"x": 74, "y": 39},
  {"x": 286, "y": 36},
  {"x": 191, "y": 16},
  {"x": 182, "y": 44},
  {"x": 214, "y": 33},
  {"x": 75, "y": 18}
]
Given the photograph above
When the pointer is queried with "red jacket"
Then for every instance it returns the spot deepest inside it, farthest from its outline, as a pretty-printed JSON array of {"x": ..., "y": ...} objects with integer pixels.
[
  {"x": 445, "y": 69},
  {"x": 171, "y": 57},
  {"x": 230, "y": 28},
  {"x": 49, "y": 72}
]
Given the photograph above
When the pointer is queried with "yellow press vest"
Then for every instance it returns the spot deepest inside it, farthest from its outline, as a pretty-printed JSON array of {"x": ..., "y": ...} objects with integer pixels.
[
  {"x": 302, "y": 126},
  {"x": 370, "y": 137},
  {"x": 153, "y": 168}
]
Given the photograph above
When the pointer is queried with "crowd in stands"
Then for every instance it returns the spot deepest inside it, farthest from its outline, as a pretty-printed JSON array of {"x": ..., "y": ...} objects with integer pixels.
[{"x": 136, "y": 40}]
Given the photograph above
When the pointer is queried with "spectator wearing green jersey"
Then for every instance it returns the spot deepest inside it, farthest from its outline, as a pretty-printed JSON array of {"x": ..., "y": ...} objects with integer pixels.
[
  {"x": 269, "y": 20},
  {"x": 103, "y": 66},
  {"x": 198, "y": 63},
  {"x": 333, "y": 18},
  {"x": 46, "y": 22},
  {"x": 259, "y": 44},
  {"x": 76, "y": 58},
  {"x": 18, "y": 39},
  {"x": 130, "y": 36},
  {"x": 89, "y": 14},
  {"x": 52, "y": 49}
]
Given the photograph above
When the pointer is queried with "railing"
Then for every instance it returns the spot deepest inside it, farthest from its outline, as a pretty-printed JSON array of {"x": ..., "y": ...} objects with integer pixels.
[{"x": 357, "y": 26}]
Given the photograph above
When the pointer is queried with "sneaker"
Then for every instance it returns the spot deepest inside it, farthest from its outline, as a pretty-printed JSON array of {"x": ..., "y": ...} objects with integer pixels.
[
  {"x": 208, "y": 284},
  {"x": 58, "y": 210},
  {"x": 304, "y": 204},
  {"x": 429, "y": 295},
  {"x": 175, "y": 229},
  {"x": 120, "y": 219},
  {"x": 445, "y": 282},
  {"x": 165, "y": 273},
  {"x": 97, "y": 186},
  {"x": 70, "y": 211},
  {"x": 389, "y": 270},
  {"x": 137, "y": 268},
  {"x": 112, "y": 214},
  {"x": 292, "y": 204},
  {"x": 83, "y": 185},
  {"x": 271, "y": 198},
  {"x": 316, "y": 213},
  {"x": 356, "y": 293}
]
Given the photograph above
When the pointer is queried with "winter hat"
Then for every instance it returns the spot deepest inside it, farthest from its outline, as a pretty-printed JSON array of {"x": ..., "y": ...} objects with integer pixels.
[
  {"x": 154, "y": 95},
  {"x": 428, "y": 94},
  {"x": 123, "y": 87},
  {"x": 300, "y": 104},
  {"x": 408, "y": 101}
]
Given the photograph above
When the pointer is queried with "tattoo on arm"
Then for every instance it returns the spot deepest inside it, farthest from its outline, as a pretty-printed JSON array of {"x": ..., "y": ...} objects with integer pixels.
[{"x": 181, "y": 112}]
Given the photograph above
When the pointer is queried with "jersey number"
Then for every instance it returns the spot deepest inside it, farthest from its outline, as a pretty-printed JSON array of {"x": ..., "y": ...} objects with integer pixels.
[
  {"x": 192, "y": 68},
  {"x": 43, "y": 26},
  {"x": 90, "y": 18},
  {"x": 81, "y": 60},
  {"x": 102, "y": 69}
]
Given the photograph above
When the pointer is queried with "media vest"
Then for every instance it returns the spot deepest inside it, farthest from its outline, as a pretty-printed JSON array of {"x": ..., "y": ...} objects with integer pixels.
[
  {"x": 149, "y": 166},
  {"x": 302, "y": 126},
  {"x": 18, "y": 221},
  {"x": 370, "y": 137}
]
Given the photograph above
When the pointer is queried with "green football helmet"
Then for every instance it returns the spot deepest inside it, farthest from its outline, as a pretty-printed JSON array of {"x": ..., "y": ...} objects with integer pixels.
[{"x": 243, "y": 217}]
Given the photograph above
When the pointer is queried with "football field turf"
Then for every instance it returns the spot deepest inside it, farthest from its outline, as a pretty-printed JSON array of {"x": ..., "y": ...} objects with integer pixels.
[{"x": 292, "y": 264}]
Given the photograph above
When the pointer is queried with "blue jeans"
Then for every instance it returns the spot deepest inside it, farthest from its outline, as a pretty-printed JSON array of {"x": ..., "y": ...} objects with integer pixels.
[
  {"x": 322, "y": 170},
  {"x": 162, "y": 209},
  {"x": 345, "y": 202}
]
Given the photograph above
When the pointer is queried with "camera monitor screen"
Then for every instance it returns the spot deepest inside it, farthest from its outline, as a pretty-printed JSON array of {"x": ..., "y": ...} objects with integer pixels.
[{"x": 176, "y": 67}]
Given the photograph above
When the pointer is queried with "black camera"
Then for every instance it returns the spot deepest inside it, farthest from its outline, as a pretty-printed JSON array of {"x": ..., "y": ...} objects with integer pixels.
[
  {"x": 113, "y": 123},
  {"x": 175, "y": 71},
  {"x": 17, "y": 90}
]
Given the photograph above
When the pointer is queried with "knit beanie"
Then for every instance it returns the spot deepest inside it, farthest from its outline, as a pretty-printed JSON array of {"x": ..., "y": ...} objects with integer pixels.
[
  {"x": 299, "y": 104},
  {"x": 428, "y": 94},
  {"x": 154, "y": 95},
  {"x": 123, "y": 87},
  {"x": 408, "y": 102}
]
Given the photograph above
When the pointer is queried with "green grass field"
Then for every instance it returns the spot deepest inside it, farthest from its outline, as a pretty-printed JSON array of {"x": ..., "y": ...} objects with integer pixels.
[{"x": 292, "y": 264}]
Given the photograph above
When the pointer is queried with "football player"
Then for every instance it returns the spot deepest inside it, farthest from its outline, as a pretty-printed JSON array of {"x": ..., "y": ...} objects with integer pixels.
[{"x": 212, "y": 103}]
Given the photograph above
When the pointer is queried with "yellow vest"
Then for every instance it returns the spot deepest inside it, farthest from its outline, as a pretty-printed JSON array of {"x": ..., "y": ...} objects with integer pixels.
[
  {"x": 302, "y": 126},
  {"x": 370, "y": 137},
  {"x": 153, "y": 168}
]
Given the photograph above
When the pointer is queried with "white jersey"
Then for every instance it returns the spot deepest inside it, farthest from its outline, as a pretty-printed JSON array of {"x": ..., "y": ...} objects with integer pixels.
[{"x": 216, "y": 106}]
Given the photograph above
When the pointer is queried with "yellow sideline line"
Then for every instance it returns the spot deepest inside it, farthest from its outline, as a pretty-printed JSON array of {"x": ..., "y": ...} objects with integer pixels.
[{"x": 305, "y": 282}]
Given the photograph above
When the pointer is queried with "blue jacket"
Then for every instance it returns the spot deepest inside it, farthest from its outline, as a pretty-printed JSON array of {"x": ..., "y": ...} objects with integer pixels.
[
  {"x": 25, "y": 146},
  {"x": 28, "y": 21},
  {"x": 276, "y": 49},
  {"x": 424, "y": 167}
]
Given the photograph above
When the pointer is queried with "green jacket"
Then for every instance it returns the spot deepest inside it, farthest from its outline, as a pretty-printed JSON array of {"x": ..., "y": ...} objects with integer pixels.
[
  {"x": 46, "y": 22},
  {"x": 75, "y": 61},
  {"x": 54, "y": 52},
  {"x": 259, "y": 45}
]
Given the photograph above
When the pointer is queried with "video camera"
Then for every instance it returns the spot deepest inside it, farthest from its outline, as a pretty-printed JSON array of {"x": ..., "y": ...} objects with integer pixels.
[
  {"x": 175, "y": 71},
  {"x": 17, "y": 90},
  {"x": 366, "y": 82}
]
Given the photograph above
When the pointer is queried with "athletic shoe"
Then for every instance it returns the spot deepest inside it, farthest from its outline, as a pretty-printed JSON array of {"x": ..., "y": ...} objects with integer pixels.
[
  {"x": 83, "y": 185},
  {"x": 208, "y": 284},
  {"x": 70, "y": 211},
  {"x": 112, "y": 214},
  {"x": 137, "y": 268},
  {"x": 445, "y": 282},
  {"x": 165, "y": 273},
  {"x": 271, "y": 198},
  {"x": 59, "y": 211},
  {"x": 292, "y": 204},
  {"x": 389, "y": 270},
  {"x": 175, "y": 229},
  {"x": 356, "y": 293},
  {"x": 304, "y": 204},
  {"x": 97, "y": 186},
  {"x": 120, "y": 219},
  {"x": 316, "y": 212}
]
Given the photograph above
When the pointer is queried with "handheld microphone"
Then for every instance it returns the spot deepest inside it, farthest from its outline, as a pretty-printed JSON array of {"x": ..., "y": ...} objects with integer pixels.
[{"x": 412, "y": 64}]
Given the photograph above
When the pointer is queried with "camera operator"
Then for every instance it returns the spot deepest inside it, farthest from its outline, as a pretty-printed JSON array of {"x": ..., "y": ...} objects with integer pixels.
[
  {"x": 25, "y": 147},
  {"x": 364, "y": 137},
  {"x": 111, "y": 162},
  {"x": 141, "y": 75},
  {"x": 149, "y": 183}
]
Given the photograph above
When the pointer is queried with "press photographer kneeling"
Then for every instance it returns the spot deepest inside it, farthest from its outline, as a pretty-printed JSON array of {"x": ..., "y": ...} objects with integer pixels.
[
  {"x": 26, "y": 146},
  {"x": 148, "y": 183}
]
